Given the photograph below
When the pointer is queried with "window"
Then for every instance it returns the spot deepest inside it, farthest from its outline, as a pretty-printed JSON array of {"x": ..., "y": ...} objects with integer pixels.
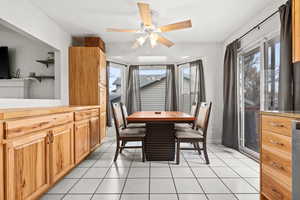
[
  {"x": 272, "y": 67},
  {"x": 116, "y": 82},
  {"x": 152, "y": 87},
  {"x": 188, "y": 86}
]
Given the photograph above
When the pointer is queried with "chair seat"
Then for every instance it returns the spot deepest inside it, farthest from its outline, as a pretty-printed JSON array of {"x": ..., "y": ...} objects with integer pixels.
[
  {"x": 132, "y": 133},
  {"x": 138, "y": 125},
  {"x": 193, "y": 134},
  {"x": 183, "y": 126}
]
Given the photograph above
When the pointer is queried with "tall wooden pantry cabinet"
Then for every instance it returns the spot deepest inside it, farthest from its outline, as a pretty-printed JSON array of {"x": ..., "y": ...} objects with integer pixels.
[{"x": 87, "y": 85}]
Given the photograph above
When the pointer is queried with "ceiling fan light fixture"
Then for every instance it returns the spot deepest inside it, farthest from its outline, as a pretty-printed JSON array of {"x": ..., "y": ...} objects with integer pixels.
[
  {"x": 141, "y": 40},
  {"x": 153, "y": 39}
]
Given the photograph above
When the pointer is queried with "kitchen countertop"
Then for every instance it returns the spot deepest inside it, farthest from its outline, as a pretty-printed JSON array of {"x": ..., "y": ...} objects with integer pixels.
[
  {"x": 292, "y": 114},
  {"x": 30, "y": 112}
]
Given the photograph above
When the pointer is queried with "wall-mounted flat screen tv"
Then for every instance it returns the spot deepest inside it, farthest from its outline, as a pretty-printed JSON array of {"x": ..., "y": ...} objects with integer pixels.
[{"x": 4, "y": 63}]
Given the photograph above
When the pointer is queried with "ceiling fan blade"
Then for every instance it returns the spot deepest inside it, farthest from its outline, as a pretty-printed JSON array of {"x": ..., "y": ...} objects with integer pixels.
[
  {"x": 145, "y": 13},
  {"x": 176, "y": 26},
  {"x": 164, "y": 41},
  {"x": 122, "y": 30}
]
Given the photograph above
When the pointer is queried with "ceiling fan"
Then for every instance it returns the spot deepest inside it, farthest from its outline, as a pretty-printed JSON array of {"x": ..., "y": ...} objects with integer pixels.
[{"x": 150, "y": 31}]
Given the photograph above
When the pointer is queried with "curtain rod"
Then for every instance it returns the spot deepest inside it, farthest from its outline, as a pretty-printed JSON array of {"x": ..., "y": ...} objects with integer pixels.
[
  {"x": 118, "y": 63},
  {"x": 258, "y": 25},
  {"x": 187, "y": 62}
]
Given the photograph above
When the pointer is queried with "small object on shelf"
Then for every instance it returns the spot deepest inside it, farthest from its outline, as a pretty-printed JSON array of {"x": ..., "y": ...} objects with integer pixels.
[{"x": 157, "y": 113}]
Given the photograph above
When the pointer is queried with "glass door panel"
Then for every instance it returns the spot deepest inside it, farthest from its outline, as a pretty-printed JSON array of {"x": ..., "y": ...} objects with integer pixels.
[{"x": 250, "y": 100}]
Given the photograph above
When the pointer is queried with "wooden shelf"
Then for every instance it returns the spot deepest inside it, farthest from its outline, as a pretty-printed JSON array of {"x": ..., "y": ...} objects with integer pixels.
[
  {"x": 46, "y": 62},
  {"x": 39, "y": 78}
]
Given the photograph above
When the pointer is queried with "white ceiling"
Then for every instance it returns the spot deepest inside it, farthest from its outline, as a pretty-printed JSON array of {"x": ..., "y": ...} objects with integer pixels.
[{"x": 213, "y": 20}]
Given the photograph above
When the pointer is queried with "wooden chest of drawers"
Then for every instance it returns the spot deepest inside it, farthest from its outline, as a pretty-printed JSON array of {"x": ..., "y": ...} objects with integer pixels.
[{"x": 276, "y": 156}]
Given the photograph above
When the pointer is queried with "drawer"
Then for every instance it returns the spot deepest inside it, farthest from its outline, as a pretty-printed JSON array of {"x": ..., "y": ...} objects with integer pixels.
[
  {"x": 279, "y": 142},
  {"x": 273, "y": 189},
  {"x": 86, "y": 114},
  {"x": 19, "y": 127},
  {"x": 280, "y": 125},
  {"x": 278, "y": 163}
]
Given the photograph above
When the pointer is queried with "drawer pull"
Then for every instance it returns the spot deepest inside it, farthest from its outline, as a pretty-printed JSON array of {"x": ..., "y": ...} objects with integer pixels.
[
  {"x": 276, "y": 165},
  {"x": 277, "y": 125},
  {"x": 276, "y": 143}
]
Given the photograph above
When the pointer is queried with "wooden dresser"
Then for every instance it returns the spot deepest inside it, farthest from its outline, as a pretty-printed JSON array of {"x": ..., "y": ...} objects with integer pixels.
[
  {"x": 87, "y": 80},
  {"x": 39, "y": 146},
  {"x": 276, "y": 155}
]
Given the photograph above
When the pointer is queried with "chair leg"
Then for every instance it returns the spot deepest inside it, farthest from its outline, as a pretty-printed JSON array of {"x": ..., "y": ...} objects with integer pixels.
[
  {"x": 195, "y": 145},
  {"x": 143, "y": 150},
  {"x": 198, "y": 148},
  {"x": 122, "y": 145},
  {"x": 178, "y": 153},
  {"x": 117, "y": 151},
  {"x": 205, "y": 153}
]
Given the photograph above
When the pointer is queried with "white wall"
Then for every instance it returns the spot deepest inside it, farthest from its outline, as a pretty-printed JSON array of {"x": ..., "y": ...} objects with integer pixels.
[
  {"x": 212, "y": 55},
  {"x": 24, "y": 16},
  {"x": 23, "y": 53}
]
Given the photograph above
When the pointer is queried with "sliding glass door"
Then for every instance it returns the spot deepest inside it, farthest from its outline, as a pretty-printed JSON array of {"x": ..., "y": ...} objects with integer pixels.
[
  {"x": 250, "y": 89},
  {"x": 258, "y": 90}
]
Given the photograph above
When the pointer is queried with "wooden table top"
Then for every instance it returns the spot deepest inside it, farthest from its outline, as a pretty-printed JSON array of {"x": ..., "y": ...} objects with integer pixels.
[{"x": 151, "y": 116}]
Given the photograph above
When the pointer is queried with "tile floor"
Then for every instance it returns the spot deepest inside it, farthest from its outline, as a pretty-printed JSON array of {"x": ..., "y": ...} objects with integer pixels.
[{"x": 230, "y": 176}]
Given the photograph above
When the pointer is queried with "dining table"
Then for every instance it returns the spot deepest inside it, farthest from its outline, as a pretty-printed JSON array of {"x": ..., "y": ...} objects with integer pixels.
[{"x": 160, "y": 132}]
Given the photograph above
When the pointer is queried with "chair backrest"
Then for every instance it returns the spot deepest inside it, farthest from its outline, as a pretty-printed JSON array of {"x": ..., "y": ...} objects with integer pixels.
[
  {"x": 194, "y": 109},
  {"x": 117, "y": 115},
  {"x": 203, "y": 116},
  {"x": 124, "y": 114}
]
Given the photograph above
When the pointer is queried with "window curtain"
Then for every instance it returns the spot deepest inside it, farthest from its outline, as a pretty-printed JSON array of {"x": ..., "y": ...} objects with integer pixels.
[
  {"x": 289, "y": 76},
  {"x": 171, "y": 91},
  {"x": 108, "y": 108},
  {"x": 133, "y": 97},
  {"x": 199, "y": 82},
  {"x": 230, "y": 112}
]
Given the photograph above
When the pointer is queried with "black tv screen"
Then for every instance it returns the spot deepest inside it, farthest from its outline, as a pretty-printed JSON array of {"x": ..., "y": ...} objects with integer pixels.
[{"x": 4, "y": 63}]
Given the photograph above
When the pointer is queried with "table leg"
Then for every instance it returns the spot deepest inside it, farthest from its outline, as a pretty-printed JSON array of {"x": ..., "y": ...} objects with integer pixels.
[{"x": 160, "y": 142}]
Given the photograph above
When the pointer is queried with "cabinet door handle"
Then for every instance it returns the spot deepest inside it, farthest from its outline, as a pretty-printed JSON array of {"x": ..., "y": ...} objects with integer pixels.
[
  {"x": 276, "y": 143},
  {"x": 277, "y": 125}
]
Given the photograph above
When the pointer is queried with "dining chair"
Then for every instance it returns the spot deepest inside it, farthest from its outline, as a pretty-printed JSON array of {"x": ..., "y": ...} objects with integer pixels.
[
  {"x": 196, "y": 136},
  {"x": 125, "y": 115},
  {"x": 125, "y": 135},
  {"x": 184, "y": 126}
]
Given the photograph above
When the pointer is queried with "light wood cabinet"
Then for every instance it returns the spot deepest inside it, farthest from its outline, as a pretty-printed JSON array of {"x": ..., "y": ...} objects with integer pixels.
[
  {"x": 296, "y": 30},
  {"x": 82, "y": 140},
  {"x": 61, "y": 151},
  {"x": 27, "y": 166},
  {"x": 87, "y": 80},
  {"x": 276, "y": 156},
  {"x": 94, "y": 132},
  {"x": 36, "y": 151}
]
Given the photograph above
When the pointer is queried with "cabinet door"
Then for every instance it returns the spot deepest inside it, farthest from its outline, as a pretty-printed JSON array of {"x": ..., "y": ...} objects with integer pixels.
[
  {"x": 27, "y": 166},
  {"x": 103, "y": 125},
  {"x": 103, "y": 99},
  {"x": 61, "y": 151},
  {"x": 102, "y": 69},
  {"x": 82, "y": 140},
  {"x": 94, "y": 132},
  {"x": 296, "y": 30}
]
